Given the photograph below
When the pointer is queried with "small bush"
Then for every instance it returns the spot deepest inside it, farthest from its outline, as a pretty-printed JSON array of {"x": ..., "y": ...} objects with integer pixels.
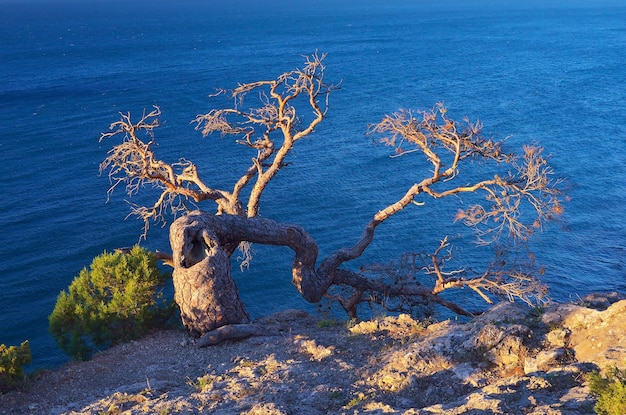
[
  {"x": 610, "y": 392},
  {"x": 119, "y": 298},
  {"x": 12, "y": 361}
]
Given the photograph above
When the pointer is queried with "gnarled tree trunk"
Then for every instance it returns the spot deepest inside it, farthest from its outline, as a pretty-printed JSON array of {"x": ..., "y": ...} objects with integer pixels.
[
  {"x": 202, "y": 244},
  {"x": 203, "y": 287}
]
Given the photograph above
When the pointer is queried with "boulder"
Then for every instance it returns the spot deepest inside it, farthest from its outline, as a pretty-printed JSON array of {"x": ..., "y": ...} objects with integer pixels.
[{"x": 595, "y": 336}]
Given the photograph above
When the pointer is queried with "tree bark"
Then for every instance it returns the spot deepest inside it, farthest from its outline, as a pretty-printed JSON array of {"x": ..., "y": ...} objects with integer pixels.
[
  {"x": 201, "y": 248},
  {"x": 232, "y": 332},
  {"x": 203, "y": 287}
]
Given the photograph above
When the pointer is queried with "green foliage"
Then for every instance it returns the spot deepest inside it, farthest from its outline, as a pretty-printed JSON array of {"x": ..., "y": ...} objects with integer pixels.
[
  {"x": 326, "y": 323},
  {"x": 610, "y": 391},
  {"x": 202, "y": 382},
  {"x": 119, "y": 298},
  {"x": 12, "y": 361}
]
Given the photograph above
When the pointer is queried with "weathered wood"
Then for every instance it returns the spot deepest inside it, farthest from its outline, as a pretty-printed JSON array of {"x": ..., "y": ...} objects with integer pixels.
[
  {"x": 204, "y": 289},
  {"x": 231, "y": 332}
]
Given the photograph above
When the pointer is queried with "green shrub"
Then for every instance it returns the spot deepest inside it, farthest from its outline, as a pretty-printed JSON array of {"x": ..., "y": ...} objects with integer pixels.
[
  {"x": 119, "y": 298},
  {"x": 12, "y": 361},
  {"x": 610, "y": 392}
]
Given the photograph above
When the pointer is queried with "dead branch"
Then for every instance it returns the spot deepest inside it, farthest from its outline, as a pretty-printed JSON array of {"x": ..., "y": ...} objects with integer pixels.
[
  {"x": 232, "y": 332},
  {"x": 427, "y": 276},
  {"x": 523, "y": 182},
  {"x": 134, "y": 164},
  {"x": 445, "y": 144},
  {"x": 270, "y": 129},
  {"x": 359, "y": 282},
  {"x": 165, "y": 257},
  {"x": 277, "y": 114}
]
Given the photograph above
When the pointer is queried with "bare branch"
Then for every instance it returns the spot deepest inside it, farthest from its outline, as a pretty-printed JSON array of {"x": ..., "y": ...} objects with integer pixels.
[
  {"x": 134, "y": 164},
  {"x": 529, "y": 185},
  {"x": 404, "y": 290},
  {"x": 272, "y": 128},
  {"x": 427, "y": 276},
  {"x": 444, "y": 144},
  {"x": 520, "y": 183}
]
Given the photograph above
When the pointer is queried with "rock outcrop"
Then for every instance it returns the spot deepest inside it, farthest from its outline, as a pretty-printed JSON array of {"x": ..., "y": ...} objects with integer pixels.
[{"x": 511, "y": 360}]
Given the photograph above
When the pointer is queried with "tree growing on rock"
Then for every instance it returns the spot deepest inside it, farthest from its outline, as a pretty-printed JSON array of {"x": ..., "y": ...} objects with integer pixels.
[{"x": 513, "y": 196}]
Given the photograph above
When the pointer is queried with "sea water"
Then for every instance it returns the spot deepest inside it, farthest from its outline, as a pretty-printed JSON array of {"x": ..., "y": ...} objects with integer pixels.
[{"x": 544, "y": 72}]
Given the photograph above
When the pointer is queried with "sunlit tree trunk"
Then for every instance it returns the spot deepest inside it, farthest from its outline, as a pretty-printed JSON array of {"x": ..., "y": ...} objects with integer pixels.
[
  {"x": 204, "y": 289},
  {"x": 202, "y": 246}
]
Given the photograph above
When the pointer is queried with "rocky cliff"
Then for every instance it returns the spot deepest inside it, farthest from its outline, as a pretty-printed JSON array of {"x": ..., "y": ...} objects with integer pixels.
[{"x": 511, "y": 360}]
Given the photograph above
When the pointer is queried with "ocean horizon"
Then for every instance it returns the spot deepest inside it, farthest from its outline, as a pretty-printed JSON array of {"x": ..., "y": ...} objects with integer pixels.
[{"x": 548, "y": 73}]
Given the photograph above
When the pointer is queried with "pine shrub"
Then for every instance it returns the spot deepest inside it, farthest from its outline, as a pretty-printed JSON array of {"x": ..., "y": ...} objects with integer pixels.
[
  {"x": 610, "y": 392},
  {"x": 119, "y": 298},
  {"x": 12, "y": 361}
]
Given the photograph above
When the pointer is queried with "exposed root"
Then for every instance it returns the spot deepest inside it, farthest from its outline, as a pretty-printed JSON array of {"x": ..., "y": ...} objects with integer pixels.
[{"x": 232, "y": 332}]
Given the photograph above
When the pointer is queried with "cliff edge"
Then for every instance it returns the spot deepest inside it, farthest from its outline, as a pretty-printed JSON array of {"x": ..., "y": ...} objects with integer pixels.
[{"x": 511, "y": 360}]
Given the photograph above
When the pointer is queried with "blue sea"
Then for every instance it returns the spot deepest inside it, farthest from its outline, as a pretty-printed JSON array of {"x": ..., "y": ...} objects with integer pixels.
[{"x": 545, "y": 72}]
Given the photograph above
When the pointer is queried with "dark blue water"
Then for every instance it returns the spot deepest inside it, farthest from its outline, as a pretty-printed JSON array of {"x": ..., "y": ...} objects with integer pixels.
[{"x": 553, "y": 74}]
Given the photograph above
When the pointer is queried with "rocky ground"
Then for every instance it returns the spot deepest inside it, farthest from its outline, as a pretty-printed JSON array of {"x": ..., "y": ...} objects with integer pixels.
[{"x": 511, "y": 360}]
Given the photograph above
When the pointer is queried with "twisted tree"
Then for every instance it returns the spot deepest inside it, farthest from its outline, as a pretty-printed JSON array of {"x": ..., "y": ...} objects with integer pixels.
[{"x": 515, "y": 195}]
